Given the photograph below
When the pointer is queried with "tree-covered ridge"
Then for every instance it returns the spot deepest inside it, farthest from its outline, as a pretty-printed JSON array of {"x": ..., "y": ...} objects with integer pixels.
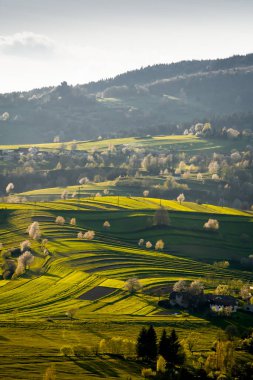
[{"x": 156, "y": 99}]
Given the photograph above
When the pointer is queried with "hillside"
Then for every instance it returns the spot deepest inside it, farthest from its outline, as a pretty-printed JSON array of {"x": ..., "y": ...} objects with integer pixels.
[
  {"x": 205, "y": 169},
  {"x": 87, "y": 277},
  {"x": 156, "y": 99},
  {"x": 114, "y": 255}
]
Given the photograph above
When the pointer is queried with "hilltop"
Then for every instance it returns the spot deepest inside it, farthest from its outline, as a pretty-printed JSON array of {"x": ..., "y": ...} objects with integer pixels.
[{"x": 157, "y": 99}]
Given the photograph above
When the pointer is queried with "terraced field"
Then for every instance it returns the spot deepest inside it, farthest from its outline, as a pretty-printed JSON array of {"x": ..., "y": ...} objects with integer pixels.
[
  {"x": 89, "y": 276},
  {"x": 114, "y": 255}
]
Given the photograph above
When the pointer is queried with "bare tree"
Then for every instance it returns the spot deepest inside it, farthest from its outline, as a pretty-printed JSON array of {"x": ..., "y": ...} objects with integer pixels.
[
  {"x": 141, "y": 242},
  {"x": 211, "y": 224},
  {"x": 180, "y": 286},
  {"x": 89, "y": 235},
  {"x": 148, "y": 244},
  {"x": 215, "y": 177},
  {"x": 80, "y": 235},
  {"x": 5, "y": 116},
  {"x": 24, "y": 261},
  {"x": 9, "y": 188},
  {"x": 213, "y": 167},
  {"x": 73, "y": 221},
  {"x": 181, "y": 198},
  {"x": 60, "y": 220},
  {"x": 34, "y": 231},
  {"x": 64, "y": 194},
  {"x": 196, "y": 287},
  {"x": 132, "y": 285},
  {"x": 221, "y": 264},
  {"x": 25, "y": 245},
  {"x": 199, "y": 177},
  {"x": 159, "y": 246},
  {"x": 44, "y": 242},
  {"x": 83, "y": 180},
  {"x": 106, "y": 224}
]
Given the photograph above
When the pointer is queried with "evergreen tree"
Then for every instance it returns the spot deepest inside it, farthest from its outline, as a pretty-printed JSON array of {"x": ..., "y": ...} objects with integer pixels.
[
  {"x": 151, "y": 348},
  {"x": 170, "y": 349},
  {"x": 141, "y": 347},
  {"x": 163, "y": 344},
  {"x": 174, "y": 354}
]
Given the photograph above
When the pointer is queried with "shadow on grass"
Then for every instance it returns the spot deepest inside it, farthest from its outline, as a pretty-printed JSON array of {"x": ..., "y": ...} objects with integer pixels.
[
  {"x": 4, "y": 339},
  {"x": 97, "y": 366}
]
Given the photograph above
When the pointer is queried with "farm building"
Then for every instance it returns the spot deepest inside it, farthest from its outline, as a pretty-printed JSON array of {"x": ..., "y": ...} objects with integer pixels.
[
  {"x": 219, "y": 302},
  {"x": 215, "y": 302}
]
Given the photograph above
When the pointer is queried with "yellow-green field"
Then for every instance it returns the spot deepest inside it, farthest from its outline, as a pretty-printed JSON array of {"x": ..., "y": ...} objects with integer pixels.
[
  {"x": 89, "y": 277},
  {"x": 184, "y": 143}
]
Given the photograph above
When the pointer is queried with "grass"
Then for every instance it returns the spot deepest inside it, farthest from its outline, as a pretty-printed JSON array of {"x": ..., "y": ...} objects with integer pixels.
[
  {"x": 89, "y": 276},
  {"x": 175, "y": 142}
]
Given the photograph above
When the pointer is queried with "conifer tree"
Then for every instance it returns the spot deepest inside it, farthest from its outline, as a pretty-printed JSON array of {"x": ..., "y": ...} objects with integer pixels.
[
  {"x": 163, "y": 344},
  {"x": 142, "y": 344},
  {"x": 151, "y": 348},
  {"x": 174, "y": 354}
]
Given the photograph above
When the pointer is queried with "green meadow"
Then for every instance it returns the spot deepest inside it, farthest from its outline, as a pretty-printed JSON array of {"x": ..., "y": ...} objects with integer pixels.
[{"x": 183, "y": 143}]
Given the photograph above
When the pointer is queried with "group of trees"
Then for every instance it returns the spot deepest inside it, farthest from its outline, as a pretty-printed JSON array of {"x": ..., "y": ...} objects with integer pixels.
[
  {"x": 17, "y": 260},
  {"x": 195, "y": 287},
  {"x": 164, "y": 355},
  {"x": 136, "y": 164},
  {"x": 159, "y": 245},
  {"x": 88, "y": 235},
  {"x": 171, "y": 358}
]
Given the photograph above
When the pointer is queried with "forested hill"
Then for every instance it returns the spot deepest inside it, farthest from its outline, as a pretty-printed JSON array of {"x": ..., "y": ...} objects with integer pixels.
[
  {"x": 161, "y": 71},
  {"x": 156, "y": 99}
]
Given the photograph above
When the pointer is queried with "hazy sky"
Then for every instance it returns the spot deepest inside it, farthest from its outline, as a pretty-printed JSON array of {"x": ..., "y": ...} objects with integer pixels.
[{"x": 43, "y": 42}]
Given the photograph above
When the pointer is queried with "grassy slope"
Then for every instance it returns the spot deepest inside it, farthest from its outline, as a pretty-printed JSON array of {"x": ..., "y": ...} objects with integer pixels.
[
  {"x": 78, "y": 266},
  {"x": 184, "y": 143}
]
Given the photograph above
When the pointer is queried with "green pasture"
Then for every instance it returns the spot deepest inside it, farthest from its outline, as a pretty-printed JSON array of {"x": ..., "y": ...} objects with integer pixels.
[
  {"x": 172, "y": 142},
  {"x": 27, "y": 349}
]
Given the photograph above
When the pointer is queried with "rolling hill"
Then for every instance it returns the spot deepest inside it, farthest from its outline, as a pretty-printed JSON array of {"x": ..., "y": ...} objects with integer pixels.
[
  {"x": 156, "y": 99},
  {"x": 86, "y": 278}
]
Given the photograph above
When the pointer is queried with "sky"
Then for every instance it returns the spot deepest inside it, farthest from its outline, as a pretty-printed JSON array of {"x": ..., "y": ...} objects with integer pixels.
[{"x": 45, "y": 42}]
